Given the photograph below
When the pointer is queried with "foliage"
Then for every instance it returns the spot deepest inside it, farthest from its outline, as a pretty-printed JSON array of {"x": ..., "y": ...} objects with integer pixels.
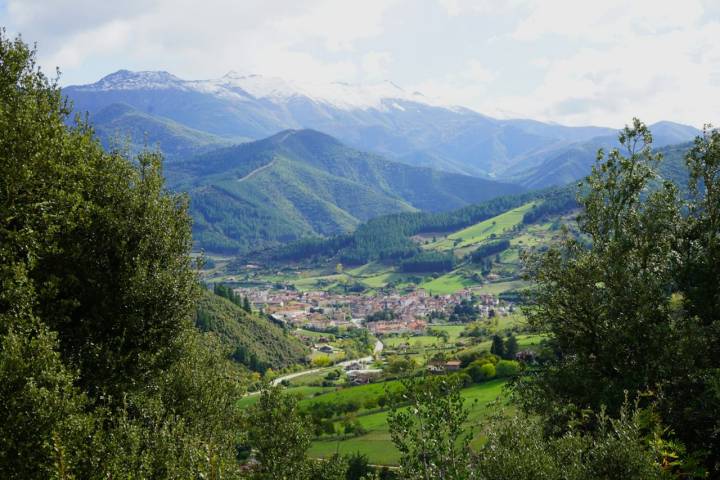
[
  {"x": 507, "y": 368},
  {"x": 517, "y": 449},
  {"x": 498, "y": 346},
  {"x": 428, "y": 262},
  {"x": 387, "y": 237},
  {"x": 634, "y": 308},
  {"x": 102, "y": 374},
  {"x": 489, "y": 248},
  {"x": 429, "y": 433},
  {"x": 277, "y": 433},
  {"x": 253, "y": 340}
]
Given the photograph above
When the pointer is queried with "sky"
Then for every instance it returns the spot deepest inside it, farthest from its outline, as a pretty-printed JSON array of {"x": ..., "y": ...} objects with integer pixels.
[{"x": 574, "y": 62}]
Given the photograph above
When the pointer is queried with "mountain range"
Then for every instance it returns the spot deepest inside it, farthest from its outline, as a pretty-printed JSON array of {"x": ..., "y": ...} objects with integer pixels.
[
  {"x": 383, "y": 118},
  {"x": 250, "y": 152},
  {"x": 303, "y": 183}
]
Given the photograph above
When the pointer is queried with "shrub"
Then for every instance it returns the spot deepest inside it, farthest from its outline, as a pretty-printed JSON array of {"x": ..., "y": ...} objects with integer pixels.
[
  {"x": 481, "y": 370},
  {"x": 507, "y": 368}
]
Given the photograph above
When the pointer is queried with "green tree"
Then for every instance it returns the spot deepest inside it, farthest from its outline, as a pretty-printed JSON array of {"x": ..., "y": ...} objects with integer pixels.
[
  {"x": 97, "y": 289},
  {"x": 278, "y": 435},
  {"x": 246, "y": 305},
  {"x": 511, "y": 347},
  {"x": 358, "y": 466},
  {"x": 517, "y": 448},
  {"x": 498, "y": 346},
  {"x": 430, "y": 434},
  {"x": 630, "y": 304}
]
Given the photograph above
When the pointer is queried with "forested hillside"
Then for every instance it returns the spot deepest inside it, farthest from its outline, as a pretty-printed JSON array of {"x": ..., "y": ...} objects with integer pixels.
[
  {"x": 252, "y": 339},
  {"x": 120, "y": 125},
  {"x": 304, "y": 183},
  {"x": 388, "y": 237}
]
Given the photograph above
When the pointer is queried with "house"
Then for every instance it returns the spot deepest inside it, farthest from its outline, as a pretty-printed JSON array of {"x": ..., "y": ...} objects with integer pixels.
[
  {"x": 452, "y": 365},
  {"x": 360, "y": 377}
]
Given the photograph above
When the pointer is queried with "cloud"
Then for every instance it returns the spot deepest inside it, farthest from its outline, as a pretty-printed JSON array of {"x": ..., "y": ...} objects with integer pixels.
[
  {"x": 196, "y": 39},
  {"x": 464, "y": 87},
  {"x": 656, "y": 60},
  {"x": 375, "y": 65},
  {"x": 561, "y": 60}
]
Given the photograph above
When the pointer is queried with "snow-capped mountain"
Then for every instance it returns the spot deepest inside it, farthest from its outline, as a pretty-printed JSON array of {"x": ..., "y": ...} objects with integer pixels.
[
  {"x": 382, "y": 118},
  {"x": 246, "y": 87}
]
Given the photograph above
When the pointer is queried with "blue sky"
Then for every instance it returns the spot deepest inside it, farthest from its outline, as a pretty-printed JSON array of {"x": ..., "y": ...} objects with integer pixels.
[{"x": 573, "y": 62}]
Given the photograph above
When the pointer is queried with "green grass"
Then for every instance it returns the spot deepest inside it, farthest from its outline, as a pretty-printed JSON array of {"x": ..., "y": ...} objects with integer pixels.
[
  {"x": 301, "y": 391},
  {"x": 377, "y": 445},
  {"x": 531, "y": 342},
  {"x": 447, "y": 284},
  {"x": 418, "y": 340},
  {"x": 497, "y": 288},
  {"x": 479, "y": 232},
  {"x": 360, "y": 393}
]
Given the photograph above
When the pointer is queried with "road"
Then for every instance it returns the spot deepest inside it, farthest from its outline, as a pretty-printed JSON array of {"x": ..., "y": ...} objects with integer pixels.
[{"x": 376, "y": 351}]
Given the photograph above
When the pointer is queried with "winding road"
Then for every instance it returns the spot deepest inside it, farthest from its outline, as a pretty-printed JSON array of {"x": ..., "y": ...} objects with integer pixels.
[{"x": 376, "y": 351}]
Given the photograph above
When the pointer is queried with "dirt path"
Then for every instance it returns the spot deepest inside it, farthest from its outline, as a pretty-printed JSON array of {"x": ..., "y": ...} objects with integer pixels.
[{"x": 257, "y": 170}]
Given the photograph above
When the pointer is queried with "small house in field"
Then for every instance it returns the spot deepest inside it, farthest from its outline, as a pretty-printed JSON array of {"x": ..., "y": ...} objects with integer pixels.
[
  {"x": 361, "y": 377},
  {"x": 452, "y": 365}
]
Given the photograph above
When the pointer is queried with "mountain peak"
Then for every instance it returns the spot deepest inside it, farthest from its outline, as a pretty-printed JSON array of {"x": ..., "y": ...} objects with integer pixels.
[{"x": 142, "y": 80}]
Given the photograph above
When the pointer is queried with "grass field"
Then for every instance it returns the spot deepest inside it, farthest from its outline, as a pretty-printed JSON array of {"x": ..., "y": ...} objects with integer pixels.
[
  {"x": 479, "y": 232},
  {"x": 301, "y": 391},
  {"x": 496, "y": 288},
  {"x": 377, "y": 445},
  {"x": 425, "y": 340},
  {"x": 447, "y": 284}
]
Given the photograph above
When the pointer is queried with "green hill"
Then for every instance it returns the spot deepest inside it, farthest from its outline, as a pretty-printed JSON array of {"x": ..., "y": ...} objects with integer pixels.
[
  {"x": 253, "y": 340},
  {"x": 307, "y": 184},
  {"x": 120, "y": 123}
]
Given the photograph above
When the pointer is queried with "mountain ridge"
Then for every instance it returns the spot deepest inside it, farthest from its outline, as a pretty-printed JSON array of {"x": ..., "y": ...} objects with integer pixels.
[{"x": 300, "y": 183}]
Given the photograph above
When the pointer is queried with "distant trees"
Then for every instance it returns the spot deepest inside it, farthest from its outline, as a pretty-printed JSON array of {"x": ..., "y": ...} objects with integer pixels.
[
  {"x": 387, "y": 238},
  {"x": 488, "y": 249},
  {"x": 429, "y": 262}
]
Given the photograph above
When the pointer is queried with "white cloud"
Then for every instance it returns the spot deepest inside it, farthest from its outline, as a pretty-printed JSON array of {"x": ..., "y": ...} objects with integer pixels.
[
  {"x": 562, "y": 60},
  {"x": 375, "y": 65},
  {"x": 196, "y": 39},
  {"x": 608, "y": 21},
  {"x": 656, "y": 60},
  {"x": 467, "y": 86}
]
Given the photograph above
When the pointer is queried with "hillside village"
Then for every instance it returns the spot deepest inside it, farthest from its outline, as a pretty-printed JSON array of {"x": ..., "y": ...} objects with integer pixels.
[{"x": 409, "y": 312}]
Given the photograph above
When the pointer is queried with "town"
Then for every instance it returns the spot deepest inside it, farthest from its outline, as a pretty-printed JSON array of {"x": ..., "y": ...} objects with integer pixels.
[{"x": 381, "y": 314}]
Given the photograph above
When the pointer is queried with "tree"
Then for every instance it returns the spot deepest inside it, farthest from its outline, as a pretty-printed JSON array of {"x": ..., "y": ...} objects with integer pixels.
[
  {"x": 429, "y": 433},
  {"x": 246, "y": 305},
  {"x": 629, "y": 304},
  {"x": 97, "y": 290},
  {"x": 278, "y": 435},
  {"x": 511, "y": 347},
  {"x": 358, "y": 466},
  {"x": 498, "y": 346},
  {"x": 517, "y": 448}
]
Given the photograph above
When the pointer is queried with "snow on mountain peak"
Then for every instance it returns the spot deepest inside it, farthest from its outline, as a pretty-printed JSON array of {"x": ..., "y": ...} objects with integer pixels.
[
  {"x": 249, "y": 86},
  {"x": 143, "y": 80}
]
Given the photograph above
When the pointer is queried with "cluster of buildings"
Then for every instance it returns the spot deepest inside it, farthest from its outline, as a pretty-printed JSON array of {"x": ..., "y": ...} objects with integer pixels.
[{"x": 321, "y": 310}]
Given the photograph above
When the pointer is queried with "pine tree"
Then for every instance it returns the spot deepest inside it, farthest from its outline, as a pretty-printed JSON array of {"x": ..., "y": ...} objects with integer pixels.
[{"x": 498, "y": 346}]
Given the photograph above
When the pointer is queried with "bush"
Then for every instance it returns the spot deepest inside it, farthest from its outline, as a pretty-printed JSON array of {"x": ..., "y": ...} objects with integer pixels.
[
  {"x": 507, "y": 368},
  {"x": 481, "y": 370},
  {"x": 321, "y": 361}
]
